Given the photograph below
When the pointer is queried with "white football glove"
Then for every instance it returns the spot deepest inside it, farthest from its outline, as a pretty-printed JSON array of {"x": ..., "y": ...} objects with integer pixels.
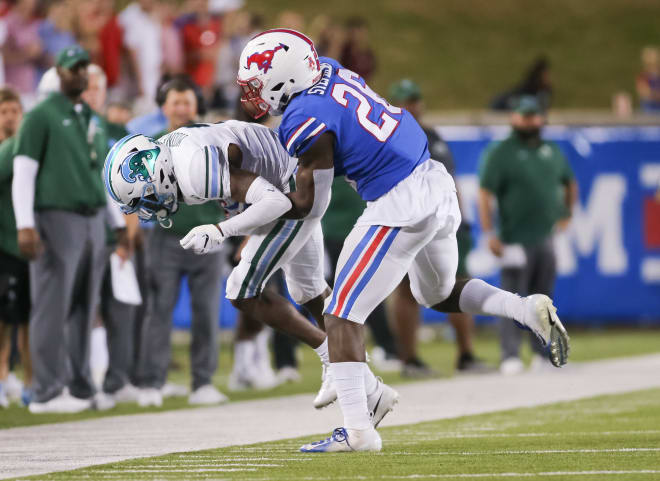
[{"x": 203, "y": 239}]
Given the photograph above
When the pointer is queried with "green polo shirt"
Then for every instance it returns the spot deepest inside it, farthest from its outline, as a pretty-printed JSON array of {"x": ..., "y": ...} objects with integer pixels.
[
  {"x": 70, "y": 147},
  {"x": 189, "y": 216},
  {"x": 8, "y": 242},
  {"x": 345, "y": 207},
  {"x": 528, "y": 182}
]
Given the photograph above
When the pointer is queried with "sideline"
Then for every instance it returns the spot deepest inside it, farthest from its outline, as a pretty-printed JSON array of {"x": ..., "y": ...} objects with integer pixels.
[{"x": 58, "y": 447}]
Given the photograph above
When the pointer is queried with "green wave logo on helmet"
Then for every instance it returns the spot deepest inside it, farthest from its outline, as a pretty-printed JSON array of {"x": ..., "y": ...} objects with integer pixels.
[{"x": 136, "y": 166}]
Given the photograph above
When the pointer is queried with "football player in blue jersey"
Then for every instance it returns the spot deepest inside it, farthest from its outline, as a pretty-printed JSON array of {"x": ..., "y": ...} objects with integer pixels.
[{"x": 337, "y": 126}]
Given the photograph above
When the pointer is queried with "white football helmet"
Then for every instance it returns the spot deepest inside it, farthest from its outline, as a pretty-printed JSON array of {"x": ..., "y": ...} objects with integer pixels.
[
  {"x": 275, "y": 65},
  {"x": 139, "y": 176}
]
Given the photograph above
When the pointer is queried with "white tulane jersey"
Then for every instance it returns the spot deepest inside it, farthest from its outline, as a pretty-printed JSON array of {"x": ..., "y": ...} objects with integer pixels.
[{"x": 200, "y": 159}]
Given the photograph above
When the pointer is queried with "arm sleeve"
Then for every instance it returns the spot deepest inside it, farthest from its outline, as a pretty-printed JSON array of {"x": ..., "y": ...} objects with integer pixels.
[
  {"x": 298, "y": 133},
  {"x": 323, "y": 179},
  {"x": 113, "y": 213},
  {"x": 267, "y": 205},
  {"x": 22, "y": 190}
]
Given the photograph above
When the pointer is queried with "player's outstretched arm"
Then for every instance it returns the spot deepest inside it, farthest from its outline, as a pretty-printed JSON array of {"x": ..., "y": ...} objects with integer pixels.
[
  {"x": 266, "y": 204},
  {"x": 313, "y": 180}
]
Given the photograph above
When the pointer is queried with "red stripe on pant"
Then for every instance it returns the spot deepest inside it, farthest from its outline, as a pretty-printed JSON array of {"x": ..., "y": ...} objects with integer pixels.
[{"x": 358, "y": 270}]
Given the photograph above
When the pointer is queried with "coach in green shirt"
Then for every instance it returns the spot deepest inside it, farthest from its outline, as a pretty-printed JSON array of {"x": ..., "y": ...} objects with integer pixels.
[
  {"x": 535, "y": 190},
  {"x": 59, "y": 204}
]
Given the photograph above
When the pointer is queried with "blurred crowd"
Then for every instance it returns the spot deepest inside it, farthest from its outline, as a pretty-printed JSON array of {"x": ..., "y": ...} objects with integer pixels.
[{"x": 138, "y": 44}]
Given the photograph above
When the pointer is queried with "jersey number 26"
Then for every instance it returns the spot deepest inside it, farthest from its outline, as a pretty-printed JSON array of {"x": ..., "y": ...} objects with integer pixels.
[{"x": 360, "y": 92}]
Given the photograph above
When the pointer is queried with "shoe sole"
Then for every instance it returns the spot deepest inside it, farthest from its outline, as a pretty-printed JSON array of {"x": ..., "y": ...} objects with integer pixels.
[
  {"x": 559, "y": 341},
  {"x": 385, "y": 404}
]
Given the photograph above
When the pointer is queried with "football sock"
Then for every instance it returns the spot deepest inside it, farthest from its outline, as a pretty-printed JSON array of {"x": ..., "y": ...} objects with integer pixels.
[
  {"x": 322, "y": 351},
  {"x": 478, "y": 297},
  {"x": 370, "y": 381},
  {"x": 243, "y": 353},
  {"x": 349, "y": 382}
]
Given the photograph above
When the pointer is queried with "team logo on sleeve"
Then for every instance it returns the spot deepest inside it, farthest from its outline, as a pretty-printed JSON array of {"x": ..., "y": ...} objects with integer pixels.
[
  {"x": 134, "y": 166},
  {"x": 263, "y": 59}
]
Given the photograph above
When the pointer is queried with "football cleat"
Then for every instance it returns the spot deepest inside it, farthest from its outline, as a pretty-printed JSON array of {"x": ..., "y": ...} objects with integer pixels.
[
  {"x": 342, "y": 440},
  {"x": 541, "y": 318},
  {"x": 327, "y": 394},
  {"x": 381, "y": 402}
]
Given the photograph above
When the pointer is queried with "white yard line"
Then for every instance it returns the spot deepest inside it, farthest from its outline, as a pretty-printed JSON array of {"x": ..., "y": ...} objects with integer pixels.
[{"x": 64, "y": 446}]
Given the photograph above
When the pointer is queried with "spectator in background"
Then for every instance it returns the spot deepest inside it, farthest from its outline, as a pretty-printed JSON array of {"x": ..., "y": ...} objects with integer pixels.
[
  {"x": 142, "y": 39},
  {"x": 110, "y": 47},
  {"x": 170, "y": 263},
  {"x": 535, "y": 191},
  {"x": 119, "y": 113},
  {"x": 202, "y": 36},
  {"x": 407, "y": 94},
  {"x": 648, "y": 81},
  {"x": 14, "y": 272},
  {"x": 328, "y": 36},
  {"x": 357, "y": 55},
  {"x": 118, "y": 318},
  {"x": 22, "y": 50},
  {"x": 88, "y": 22},
  {"x": 291, "y": 19},
  {"x": 239, "y": 27},
  {"x": 62, "y": 142},
  {"x": 536, "y": 82},
  {"x": 174, "y": 61},
  {"x": 56, "y": 31}
]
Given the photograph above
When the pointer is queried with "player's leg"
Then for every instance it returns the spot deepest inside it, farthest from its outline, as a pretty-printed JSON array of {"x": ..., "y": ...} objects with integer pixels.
[
  {"x": 307, "y": 287},
  {"x": 372, "y": 263},
  {"x": 265, "y": 252},
  {"x": 433, "y": 284}
]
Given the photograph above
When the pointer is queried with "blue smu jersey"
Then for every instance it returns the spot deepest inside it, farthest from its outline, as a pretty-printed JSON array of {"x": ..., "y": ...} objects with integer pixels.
[{"x": 377, "y": 145}]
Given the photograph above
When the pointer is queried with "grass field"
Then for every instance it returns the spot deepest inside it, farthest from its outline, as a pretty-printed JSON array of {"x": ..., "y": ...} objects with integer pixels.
[
  {"x": 463, "y": 52},
  {"x": 608, "y": 437},
  {"x": 586, "y": 346}
]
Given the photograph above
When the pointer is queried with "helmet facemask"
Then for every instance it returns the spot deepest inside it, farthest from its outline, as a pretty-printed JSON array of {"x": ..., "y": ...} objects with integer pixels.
[{"x": 158, "y": 199}]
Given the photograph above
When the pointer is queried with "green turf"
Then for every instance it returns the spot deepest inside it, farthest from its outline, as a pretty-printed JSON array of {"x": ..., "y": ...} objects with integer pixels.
[
  {"x": 440, "y": 354},
  {"x": 463, "y": 52},
  {"x": 618, "y": 433}
]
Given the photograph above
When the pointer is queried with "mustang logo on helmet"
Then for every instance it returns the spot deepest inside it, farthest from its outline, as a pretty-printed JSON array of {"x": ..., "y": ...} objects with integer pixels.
[
  {"x": 134, "y": 168},
  {"x": 263, "y": 59}
]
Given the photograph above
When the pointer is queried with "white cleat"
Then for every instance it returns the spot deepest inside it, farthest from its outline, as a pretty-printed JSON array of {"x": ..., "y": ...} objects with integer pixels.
[
  {"x": 541, "y": 317},
  {"x": 150, "y": 397},
  {"x": 512, "y": 366},
  {"x": 206, "y": 395},
  {"x": 252, "y": 378},
  {"x": 64, "y": 403},
  {"x": 103, "y": 402},
  {"x": 288, "y": 374},
  {"x": 126, "y": 394},
  {"x": 381, "y": 402},
  {"x": 327, "y": 394},
  {"x": 174, "y": 390},
  {"x": 346, "y": 440}
]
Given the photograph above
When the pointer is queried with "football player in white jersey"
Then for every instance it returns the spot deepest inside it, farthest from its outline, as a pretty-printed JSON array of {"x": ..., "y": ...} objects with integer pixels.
[{"x": 244, "y": 166}]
